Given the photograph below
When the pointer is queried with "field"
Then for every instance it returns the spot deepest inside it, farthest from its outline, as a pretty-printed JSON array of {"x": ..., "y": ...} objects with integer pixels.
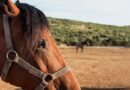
[{"x": 96, "y": 67}]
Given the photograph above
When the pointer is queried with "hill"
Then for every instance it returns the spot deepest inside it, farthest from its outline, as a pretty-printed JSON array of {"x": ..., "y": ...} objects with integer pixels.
[{"x": 91, "y": 34}]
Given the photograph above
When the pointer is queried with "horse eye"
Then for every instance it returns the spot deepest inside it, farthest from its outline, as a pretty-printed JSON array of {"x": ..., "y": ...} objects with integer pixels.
[{"x": 41, "y": 43}]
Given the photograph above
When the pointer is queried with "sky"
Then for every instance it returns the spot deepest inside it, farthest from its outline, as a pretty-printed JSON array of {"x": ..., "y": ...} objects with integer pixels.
[{"x": 114, "y": 12}]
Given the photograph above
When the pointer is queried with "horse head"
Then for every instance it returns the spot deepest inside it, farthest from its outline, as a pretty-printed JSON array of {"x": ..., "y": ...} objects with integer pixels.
[{"x": 35, "y": 51}]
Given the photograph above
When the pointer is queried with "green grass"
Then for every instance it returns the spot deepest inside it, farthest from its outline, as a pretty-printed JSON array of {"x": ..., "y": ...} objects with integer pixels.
[{"x": 91, "y": 34}]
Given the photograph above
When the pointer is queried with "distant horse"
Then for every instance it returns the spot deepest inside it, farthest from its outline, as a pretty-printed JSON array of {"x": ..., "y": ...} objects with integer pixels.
[
  {"x": 79, "y": 45},
  {"x": 29, "y": 57}
]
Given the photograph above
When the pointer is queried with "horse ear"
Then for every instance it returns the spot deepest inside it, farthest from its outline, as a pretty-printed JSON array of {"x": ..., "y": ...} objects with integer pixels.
[{"x": 14, "y": 9}]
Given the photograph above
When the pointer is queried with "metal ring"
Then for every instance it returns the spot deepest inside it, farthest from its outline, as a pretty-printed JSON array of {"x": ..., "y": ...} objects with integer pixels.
[
  {"x": 13, "y": 56},
  {"x": 48, "y": 79}
]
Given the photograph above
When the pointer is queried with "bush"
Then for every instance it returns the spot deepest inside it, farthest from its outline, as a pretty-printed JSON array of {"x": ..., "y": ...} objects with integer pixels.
[{"x": 69, "y": 32}]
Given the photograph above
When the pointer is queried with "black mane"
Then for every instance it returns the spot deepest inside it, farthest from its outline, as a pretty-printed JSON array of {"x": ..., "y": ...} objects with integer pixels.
[
  {"x": 34, "y": 18},
  {"x": 33, "y": 22}
]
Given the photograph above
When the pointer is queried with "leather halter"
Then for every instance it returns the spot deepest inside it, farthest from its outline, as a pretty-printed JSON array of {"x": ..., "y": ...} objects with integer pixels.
[{"x": 21, "y": 62}]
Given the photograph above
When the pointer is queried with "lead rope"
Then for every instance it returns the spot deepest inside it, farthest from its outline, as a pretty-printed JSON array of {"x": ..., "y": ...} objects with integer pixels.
[{"x": 31, "y": 69}]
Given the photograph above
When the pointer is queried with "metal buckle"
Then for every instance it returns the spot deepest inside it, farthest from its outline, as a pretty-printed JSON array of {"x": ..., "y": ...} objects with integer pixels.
[{"x": 12, "y": 56}]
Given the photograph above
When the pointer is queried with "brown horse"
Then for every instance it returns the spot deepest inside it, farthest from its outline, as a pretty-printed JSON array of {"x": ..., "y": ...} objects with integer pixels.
[{"x": 33, "y": 42}]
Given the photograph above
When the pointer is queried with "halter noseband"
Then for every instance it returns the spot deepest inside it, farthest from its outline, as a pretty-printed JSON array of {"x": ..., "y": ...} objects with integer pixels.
[{"x": 12, "y": 57}]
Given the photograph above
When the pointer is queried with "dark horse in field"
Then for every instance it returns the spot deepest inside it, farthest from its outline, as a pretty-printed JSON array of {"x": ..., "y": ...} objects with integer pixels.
[
  {"x": 79, "y": 45},
  {"x": 34, "y": 43}
]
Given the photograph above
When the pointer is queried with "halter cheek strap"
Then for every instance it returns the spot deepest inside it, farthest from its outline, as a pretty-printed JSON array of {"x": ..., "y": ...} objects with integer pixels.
[{"x": 12, "y": 57}]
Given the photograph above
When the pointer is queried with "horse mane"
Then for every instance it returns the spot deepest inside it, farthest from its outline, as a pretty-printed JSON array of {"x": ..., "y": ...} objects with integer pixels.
[{"x": 33, "y": 22}]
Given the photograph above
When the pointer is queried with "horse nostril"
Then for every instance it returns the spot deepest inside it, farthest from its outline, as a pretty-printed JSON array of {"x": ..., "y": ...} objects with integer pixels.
[{"x": 41, "y": 44}]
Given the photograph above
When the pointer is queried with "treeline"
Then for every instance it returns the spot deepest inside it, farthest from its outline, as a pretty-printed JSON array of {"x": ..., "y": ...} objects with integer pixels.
[{"x": 69, "y": 32}]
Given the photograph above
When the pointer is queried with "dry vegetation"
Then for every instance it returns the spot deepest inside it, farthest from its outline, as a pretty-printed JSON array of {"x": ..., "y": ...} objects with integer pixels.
[
  {"x": 97, "y": 67},
  {"x": 100, "y": 67}
]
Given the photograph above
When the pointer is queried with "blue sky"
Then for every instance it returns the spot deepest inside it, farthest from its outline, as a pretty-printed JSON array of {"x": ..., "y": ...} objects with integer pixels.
[{"x": 115, "y": 12}]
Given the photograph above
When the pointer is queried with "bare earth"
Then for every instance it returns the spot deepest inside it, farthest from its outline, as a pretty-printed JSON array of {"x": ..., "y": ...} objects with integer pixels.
[{"x": 96, "y": 67}]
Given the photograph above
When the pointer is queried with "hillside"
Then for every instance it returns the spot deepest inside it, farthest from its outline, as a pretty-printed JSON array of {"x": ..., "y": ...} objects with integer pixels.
[{"x": 91, "y": 34}]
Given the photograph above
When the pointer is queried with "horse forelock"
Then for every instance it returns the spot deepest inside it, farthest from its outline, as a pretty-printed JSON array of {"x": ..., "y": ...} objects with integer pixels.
[{"x": 33, "y": 23}]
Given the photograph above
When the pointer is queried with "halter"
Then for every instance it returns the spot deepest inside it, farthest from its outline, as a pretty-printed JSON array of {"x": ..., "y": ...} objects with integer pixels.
[{"x": 13, "y": 57}]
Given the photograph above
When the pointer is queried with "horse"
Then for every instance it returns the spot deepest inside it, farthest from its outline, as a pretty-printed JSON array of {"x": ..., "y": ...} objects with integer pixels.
[
  {"x": 79, "y": 45},
  {"x": 29, "y": 56}
]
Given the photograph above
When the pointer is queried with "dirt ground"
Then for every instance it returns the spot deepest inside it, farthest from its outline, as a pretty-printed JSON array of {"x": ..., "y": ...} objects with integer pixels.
[{"x": 96, "y": 67}]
